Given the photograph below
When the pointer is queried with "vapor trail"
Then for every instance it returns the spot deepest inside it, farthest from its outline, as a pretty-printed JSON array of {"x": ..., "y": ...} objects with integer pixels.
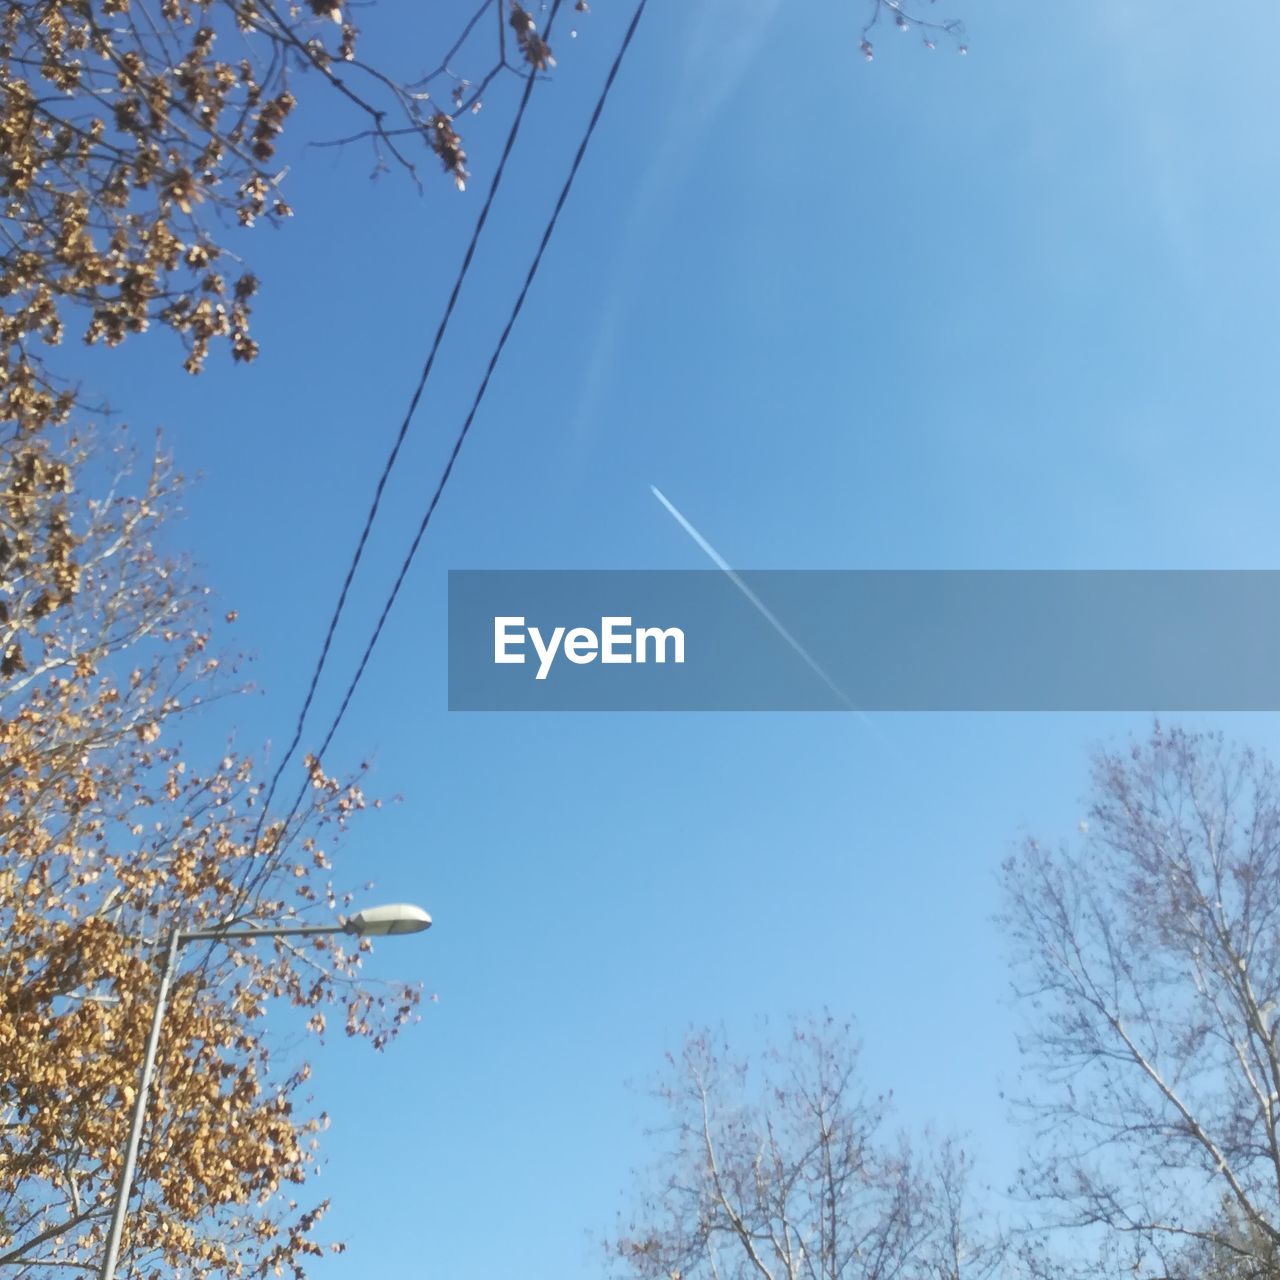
[{"x": 769, "y": 616}]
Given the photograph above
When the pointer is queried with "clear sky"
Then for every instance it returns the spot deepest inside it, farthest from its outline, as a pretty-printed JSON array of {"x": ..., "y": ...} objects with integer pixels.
[{"x": 1011, "y": 310}]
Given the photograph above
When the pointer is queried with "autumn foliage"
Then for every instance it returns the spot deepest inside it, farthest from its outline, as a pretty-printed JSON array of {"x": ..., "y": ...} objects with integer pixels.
[
  {"x": 138, "y": 146},
  {"x": 109, "y": 836},
  {"x": 138, "y": 136}
]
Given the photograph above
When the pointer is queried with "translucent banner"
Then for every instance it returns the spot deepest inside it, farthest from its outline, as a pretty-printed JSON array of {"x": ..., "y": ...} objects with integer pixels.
[{"x": 866, "y": 640}]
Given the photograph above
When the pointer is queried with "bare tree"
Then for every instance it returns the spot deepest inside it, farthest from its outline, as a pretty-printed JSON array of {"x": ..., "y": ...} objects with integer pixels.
[
  {"x": 898, "y": 16},
  {"x": 1149, "y": 965},
  {"x": 778, "y": 1170},
  {"x": 1239, "y": 1252}
]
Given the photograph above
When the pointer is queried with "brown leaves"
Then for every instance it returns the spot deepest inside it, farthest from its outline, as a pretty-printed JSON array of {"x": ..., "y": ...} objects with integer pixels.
[
  {"x": 147, "y": 732},
  {"x": 128, "y": 135},
  {"x": 127, "y": 144},
  {"x": 108, "y": 834},
  {"x": 446, "y": 143},
  {"x": 12, "y": 661},
  {"x": 536, "y": 51},
  {"x": 270, "y": 123}
]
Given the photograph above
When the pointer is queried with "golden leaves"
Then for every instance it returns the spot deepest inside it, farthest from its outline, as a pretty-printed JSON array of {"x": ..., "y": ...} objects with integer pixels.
[
  {"x": 270, "y": 122},
  {"x": 107, "y": 834},
  {"x": 138, "y": 142},
  {"x": 537, "y": 53},
  {"x": 12, "y": 660},
  {"x": 328, "y": 9},
  {"x": 127, "y": 142},
  {"x": 446, "y": 143}
]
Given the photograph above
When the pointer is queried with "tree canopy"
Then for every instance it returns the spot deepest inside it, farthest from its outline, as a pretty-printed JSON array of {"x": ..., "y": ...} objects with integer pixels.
[{"x": 111, "y": 834}]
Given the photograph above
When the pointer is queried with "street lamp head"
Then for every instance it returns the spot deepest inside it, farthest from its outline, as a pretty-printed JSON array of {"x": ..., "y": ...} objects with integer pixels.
[{"x": 378, "y": 922}]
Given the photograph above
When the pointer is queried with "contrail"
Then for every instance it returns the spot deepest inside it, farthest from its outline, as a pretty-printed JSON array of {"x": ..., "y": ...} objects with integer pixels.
[{"x": 771, "y": 618}]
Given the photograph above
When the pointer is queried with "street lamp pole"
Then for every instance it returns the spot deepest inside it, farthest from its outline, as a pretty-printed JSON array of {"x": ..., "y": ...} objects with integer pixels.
[
  {"x": 372, "y": 922},
  {"x": 139, "y": 1106}
]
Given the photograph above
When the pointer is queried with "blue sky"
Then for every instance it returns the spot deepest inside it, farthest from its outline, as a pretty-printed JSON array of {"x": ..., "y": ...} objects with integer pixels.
[{"x": 1013, "y": 310}]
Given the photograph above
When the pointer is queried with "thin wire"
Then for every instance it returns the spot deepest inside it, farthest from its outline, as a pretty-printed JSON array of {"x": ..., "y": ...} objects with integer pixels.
[
  {"x": 249, "y": 880},
  {"x": 479, "y": 396},
  {"x": 471, "y": 414},
  {"x": 390, "y": 463}
]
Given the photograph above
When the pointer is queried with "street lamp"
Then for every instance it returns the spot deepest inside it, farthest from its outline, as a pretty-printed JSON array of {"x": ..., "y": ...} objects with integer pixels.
[{"x": 372, "y": 922}]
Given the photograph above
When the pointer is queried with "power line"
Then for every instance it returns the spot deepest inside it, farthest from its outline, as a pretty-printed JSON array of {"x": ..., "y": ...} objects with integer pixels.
[
  {"x": 471, "y": 414},
  {"x": 403, "y": 431}
]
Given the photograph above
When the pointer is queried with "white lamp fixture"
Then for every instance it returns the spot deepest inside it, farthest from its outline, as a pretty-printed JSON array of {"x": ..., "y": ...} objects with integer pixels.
[{"x": 379, "y": 922}]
